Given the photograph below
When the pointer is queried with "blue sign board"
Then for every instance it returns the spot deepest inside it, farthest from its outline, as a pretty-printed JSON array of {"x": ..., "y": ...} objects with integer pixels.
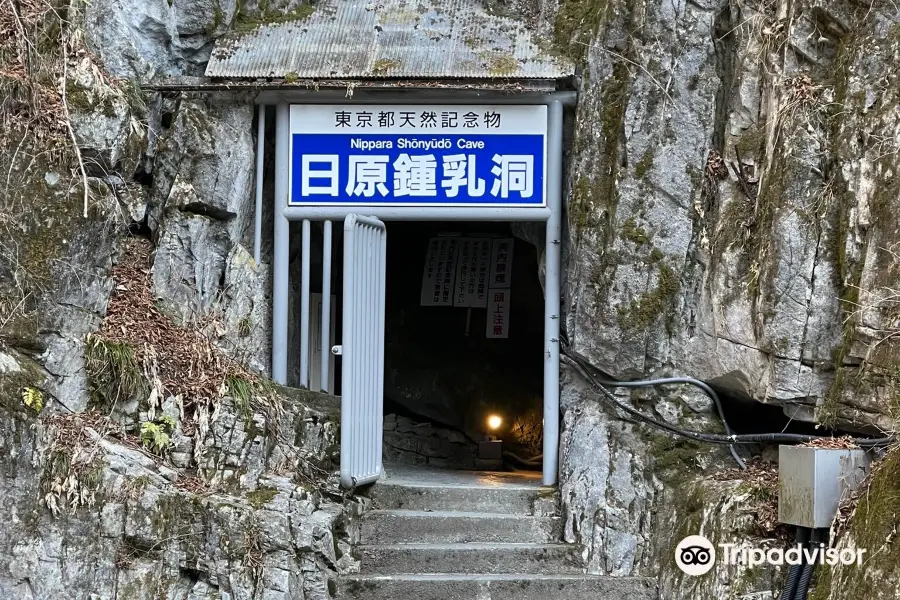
[{"x": 418, "y": 155}]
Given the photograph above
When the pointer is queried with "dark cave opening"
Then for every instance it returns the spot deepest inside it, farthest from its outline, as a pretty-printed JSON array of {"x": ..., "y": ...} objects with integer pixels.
[
  {"x": 441, "y": 365},
  {"x": 444, "y": 374},
  {"x": 749, "y": 416}
]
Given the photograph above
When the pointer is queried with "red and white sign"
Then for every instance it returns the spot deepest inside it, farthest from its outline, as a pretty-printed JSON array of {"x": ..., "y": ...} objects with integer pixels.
[
  {"x": 498, "y": 314},
  {"x": 501, "y": 263}
]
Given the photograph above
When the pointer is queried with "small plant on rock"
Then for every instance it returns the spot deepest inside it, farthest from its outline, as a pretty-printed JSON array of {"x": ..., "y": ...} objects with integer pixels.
[
  {"x": 114, "y": 373},
  {"x": 155, "y": 434},
  {"x": 33, "y": 398}
]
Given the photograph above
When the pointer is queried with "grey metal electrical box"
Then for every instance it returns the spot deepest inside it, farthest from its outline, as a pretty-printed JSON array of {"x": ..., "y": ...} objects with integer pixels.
[{"x": 812, "y": 481}]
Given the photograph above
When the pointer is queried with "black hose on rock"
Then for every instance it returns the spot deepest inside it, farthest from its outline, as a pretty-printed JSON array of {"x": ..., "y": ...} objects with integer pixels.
[
  {"x": 583, "y": 368},
  {"x": 790, "y": 582},
  {"x": 804, "y": 581},
  {"x": 789, "y": 590},
  {"x": 806, "y": 575},
  {"x": 689, "y": 381}
]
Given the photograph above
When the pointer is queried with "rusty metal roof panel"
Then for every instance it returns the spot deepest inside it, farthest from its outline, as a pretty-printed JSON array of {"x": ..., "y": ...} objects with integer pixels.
[{"x": 355, "y": 39}]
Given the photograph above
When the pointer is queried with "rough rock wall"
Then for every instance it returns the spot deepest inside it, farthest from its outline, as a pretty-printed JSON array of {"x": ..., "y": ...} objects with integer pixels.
[
  {"x": 682, "y": 255},
  {"x": 168, "y": 497},
  {"x": 728, "y": 160},
  {"x": 125, "y": 524},
  {"x": 871, "y": 527}
]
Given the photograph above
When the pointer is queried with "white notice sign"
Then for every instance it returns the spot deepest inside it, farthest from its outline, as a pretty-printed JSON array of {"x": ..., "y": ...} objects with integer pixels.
[
  {"x": 498, "y": 314},
  {"x": 473, "y": 258},
  {"x": 440, "y": 272},
  {"x": 418, "y": 155},
  {"x": 501, "y": 263}
]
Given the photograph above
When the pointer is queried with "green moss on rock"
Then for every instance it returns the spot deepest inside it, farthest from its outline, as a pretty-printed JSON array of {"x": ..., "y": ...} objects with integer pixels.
[
  {"x": 643, "y": 166},
  {"x": 261, "y": 497},
  {"x": 576, "y": 23},
  {"x": 633, "y": 232},
  {"x": 645, "y": 310}
]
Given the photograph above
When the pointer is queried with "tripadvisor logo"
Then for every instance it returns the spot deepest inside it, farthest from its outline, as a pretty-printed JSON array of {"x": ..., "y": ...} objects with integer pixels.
[{"x": 695, "y": 555}]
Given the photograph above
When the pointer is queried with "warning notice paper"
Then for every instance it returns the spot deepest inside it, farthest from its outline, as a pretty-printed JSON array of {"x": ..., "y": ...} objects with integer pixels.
[
  {"x": 472, "y": 265},
  {"x": 440, "y": 272}
]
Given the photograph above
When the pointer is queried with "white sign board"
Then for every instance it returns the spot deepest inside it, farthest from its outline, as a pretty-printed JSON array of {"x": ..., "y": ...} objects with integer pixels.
[
  {"x": 418, "y": 155},
  {"x": 473, "y": 261},
  {"x": 501, "y": 263},
  {"x": 440, "y": 272},
  {"x": 498, "y": 314}
]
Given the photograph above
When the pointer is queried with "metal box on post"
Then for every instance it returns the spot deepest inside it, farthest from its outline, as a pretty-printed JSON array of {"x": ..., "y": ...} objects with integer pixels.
[{"x": 812, "y": 482}]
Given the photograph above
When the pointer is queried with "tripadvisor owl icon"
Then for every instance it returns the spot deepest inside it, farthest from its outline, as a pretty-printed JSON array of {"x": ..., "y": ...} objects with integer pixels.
[{"x": 695, "y": 555}]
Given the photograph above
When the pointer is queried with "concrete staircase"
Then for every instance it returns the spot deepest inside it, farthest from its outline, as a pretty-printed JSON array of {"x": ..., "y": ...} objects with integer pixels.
[{"x": 441, "y": 536}]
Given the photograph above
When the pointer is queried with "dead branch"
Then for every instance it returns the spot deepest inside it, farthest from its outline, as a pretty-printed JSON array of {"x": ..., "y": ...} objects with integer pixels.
[{"x": 65, "y": 104}]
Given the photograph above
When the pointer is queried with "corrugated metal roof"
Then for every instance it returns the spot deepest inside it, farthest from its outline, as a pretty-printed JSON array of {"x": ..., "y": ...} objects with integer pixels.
[{"x": 353, "y": 39}]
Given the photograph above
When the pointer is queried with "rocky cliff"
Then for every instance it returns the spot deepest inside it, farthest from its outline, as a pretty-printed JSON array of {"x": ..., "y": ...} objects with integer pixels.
[
  {"x": 730, "y": 191},
  {"x": 730, "y": 194}
]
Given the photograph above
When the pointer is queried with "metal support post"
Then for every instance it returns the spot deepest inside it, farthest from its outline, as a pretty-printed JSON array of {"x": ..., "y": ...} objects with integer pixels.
[
  {"x": 304, "y": 308},
  {"x": 326, "y": 308},
  {"x": 260, "y": 153},
  {"x": 281, "y": 253},
  {"x": 552, "y": 292}
]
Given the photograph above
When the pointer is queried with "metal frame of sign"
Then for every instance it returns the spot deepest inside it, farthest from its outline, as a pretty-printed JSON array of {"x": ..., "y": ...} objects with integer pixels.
[
  {"x": 326, "y": 139},
  {"x": 550, "y": 212}
]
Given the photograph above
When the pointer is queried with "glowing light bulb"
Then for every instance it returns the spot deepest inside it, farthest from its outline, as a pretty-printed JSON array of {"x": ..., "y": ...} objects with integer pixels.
[{"x": 494, "y": 422}]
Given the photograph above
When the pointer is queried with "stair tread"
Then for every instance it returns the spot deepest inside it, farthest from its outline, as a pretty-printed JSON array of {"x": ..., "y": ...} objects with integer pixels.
[
  {"x": 506, "y": 487},
  {"x": 401, "y": 512},
  {"x": 467, "y": 546},
  {"x": 489, "y": 577}
]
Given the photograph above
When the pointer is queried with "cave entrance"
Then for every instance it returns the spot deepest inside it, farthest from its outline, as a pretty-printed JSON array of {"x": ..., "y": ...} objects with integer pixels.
[
  {"x": 464, "y": 327},
  {"x": 416, "y": 165}
]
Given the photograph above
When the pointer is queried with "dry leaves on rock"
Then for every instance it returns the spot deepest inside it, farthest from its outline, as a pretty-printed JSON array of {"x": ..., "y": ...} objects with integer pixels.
[
  {"x": 761, "y": 481},
  {"x": 839, "y": 443},
  {"x": 179, "y": 359}
]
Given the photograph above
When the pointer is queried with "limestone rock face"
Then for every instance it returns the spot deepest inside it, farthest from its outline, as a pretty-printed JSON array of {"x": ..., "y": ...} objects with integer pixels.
[
  {"x": 145, "y": 39},
  {"x": 721, "y": 207},
  {"x": 731, "y": 201},
  {"x": 200, "y": 209},
  {"x": 128, "y": 523}
]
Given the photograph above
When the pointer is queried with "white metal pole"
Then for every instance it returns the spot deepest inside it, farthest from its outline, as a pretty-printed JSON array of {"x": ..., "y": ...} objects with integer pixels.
[
  {"x": 551, "y": 293},
  {"x": 304, "y": 308},
  {"x": 260, "y": 151},
  {"x": 281, "y": 250},
  {"x": 326, "y": 308}
]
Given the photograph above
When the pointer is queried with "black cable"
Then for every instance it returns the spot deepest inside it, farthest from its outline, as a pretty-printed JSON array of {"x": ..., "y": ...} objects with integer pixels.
[
  {"x": 534, "y": 461},
  {"x": 690, "y": 381},
  {"x": 790, "y": 582},
  {"x": 789, "y": 590},
  {"x": 804, "y": 581},
  {"x": 806, "y": 574},
  {"x": 577, "y": 363}
]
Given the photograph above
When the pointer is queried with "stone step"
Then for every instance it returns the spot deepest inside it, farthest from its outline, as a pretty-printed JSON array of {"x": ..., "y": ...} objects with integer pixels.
[
  {"x": 455, "y": 527},
  {"x": 494, "y": 587},
  {"x": 488, "y": 558},
  {"x": 509, "y": 499}
]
